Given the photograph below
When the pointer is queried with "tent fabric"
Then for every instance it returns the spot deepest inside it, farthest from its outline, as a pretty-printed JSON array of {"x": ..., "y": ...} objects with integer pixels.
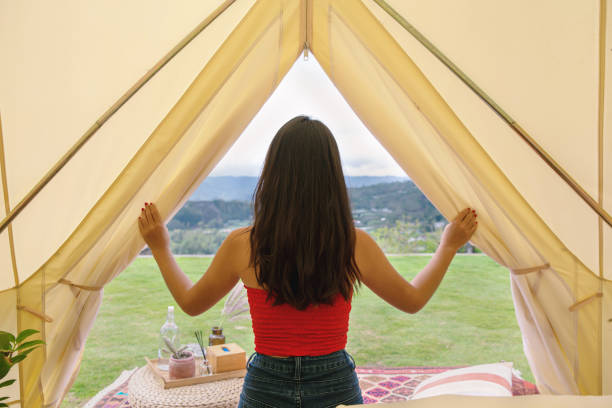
[
  {"x": 70, "y": 61},
  {"x": 454, "y": 171}
]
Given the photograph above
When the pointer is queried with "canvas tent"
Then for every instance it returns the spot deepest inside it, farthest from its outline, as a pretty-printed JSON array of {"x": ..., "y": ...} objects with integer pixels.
[{"x": 543, "y": 63}]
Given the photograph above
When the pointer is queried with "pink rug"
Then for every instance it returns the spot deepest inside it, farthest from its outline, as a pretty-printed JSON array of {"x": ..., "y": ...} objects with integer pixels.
[
  {"x": 398, "y": 383},
  {"x": 378, "y": 384}
]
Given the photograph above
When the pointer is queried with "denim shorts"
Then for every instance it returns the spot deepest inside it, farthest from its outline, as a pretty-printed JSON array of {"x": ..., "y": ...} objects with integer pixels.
[{"x": 306, "y": 381}]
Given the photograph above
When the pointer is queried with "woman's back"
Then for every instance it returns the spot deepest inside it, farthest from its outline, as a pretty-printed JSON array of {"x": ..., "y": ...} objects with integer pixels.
[
  {"x": 376, "y": 271},
  {"x": 301, "y": 260},
  {"x": 284, "y": 331}
]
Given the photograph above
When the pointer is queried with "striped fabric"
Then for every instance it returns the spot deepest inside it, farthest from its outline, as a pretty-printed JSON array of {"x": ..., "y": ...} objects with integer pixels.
[
  {"x": 285, "y": 331},
  {"x": 493, "y": 380}
]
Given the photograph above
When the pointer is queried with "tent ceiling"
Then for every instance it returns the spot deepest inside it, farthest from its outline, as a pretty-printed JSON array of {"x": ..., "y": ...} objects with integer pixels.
[
  {"x": 67, "y": 89},
  {"x": 544, "y": 75},
  {"x": 524, "y": 67}
]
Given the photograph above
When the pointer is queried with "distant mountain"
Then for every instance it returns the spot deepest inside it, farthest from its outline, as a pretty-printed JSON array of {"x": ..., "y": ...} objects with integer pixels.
[
  {"x": 396, "y": 214},
  {"x": 383, "y": 204},
  {"x": 211, "y": 214},
  {"x": 241, "y": 188},
  {"x": 373, "y": 206},
  {"x": 227, "y": 188},
  {"x": 362, "y": 181}
]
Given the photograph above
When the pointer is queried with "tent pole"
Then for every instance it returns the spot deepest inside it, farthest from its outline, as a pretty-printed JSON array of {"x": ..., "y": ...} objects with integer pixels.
[
  {"x": 110, "y": 112},
  {"x": 597, "y": 207},
  {"x": 600, "y": 123},
  {"x": 11, "y": 248},
  {"x": 605, "y": 372},
  {"x": 7, "y": 209}
]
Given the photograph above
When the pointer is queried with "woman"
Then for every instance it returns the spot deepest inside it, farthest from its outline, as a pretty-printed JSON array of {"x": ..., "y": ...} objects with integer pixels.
[{"x": 300, "y": 261}]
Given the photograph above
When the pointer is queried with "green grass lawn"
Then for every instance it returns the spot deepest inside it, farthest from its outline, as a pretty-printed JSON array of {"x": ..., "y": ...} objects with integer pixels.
[{"x": 470, "y": 320}]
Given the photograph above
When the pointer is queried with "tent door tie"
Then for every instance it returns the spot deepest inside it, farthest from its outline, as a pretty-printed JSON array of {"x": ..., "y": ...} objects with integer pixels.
[
  {"x": 525, "y": 271},
  {"x": 585, "y": 301},
  {"x": 38, "y": 314},
  {"x": 76, "y": 285}
]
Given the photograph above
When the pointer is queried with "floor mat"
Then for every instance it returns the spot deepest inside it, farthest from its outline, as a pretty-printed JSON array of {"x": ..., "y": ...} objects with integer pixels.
[
  {"x": 398, "y": 383},
  {"x": 378, "y": 384}
]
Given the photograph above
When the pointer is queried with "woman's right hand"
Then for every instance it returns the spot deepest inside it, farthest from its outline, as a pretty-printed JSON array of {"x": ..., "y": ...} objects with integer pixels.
[{"x": 460, "y": 230}]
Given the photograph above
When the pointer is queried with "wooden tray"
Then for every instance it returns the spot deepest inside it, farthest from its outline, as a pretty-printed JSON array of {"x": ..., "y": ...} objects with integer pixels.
[{"x": 198, "y": 379}]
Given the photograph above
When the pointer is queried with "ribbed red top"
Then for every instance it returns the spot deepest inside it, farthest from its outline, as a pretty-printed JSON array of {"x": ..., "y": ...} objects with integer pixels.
[{"x": 285, "y": 331}]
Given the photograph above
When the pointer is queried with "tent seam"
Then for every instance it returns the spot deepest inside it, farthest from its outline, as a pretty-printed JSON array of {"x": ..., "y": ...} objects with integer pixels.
[
  {"x": 600, "y": 121},
  {"x": 280, "y": 42},
  {"x": 332, "y": 70},
  {"x": 12, "y": 251},
  {"x": 600, "y": 162},
  {"x": 7, "y": 206}
]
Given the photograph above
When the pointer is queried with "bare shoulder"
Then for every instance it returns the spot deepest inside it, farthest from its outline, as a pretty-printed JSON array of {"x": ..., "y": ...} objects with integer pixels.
[
  {"x": 236, "y": 246},
  {"x": 367, "y": 253},
  {"x": 240, "y": 233},
  {"x": 238, "y": 237},
  {"x": 364, "y": 242},
  {"x": 361, "y": 234}
]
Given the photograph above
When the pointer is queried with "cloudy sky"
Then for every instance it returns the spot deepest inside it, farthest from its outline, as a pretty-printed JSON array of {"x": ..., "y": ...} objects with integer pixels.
[{"x": 307, "y": 90}]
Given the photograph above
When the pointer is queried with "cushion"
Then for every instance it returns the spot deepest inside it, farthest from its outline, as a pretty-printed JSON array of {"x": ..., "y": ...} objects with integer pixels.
[{"x": 494, "y": 380}]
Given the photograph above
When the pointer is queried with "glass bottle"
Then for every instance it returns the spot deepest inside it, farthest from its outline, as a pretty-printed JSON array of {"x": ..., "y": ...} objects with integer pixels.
[
  {"x": 217, "y": 336},
  {"x": 171, "y": 331}
]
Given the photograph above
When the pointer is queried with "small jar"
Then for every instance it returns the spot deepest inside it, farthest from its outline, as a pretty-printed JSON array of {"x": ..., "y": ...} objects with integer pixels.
[
  {"x": 216, "y": 337},
  {"x": 205, "y": 368},
  {"x": 181, "y": 368}
]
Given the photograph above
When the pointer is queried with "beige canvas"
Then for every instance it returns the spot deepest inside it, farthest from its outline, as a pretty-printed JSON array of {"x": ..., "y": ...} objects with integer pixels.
[{"x": 70, "y": 62}]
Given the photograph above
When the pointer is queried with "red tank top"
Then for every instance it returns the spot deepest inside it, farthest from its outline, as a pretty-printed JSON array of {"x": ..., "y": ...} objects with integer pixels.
[{"x": 285, "y": 331}]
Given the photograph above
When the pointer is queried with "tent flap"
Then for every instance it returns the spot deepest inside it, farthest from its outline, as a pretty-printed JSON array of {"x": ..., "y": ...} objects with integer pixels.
[{"x": 448, "y": 162}]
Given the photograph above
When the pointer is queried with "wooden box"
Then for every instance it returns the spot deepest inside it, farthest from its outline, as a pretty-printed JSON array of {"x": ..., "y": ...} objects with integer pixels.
[{"x": 226, "y": 357}]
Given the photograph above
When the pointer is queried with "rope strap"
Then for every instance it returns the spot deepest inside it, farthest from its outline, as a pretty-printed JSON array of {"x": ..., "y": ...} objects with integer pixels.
[
  {"x": 40, "y": 315},
  {"x": 76, "y": 285},
  {"x": 585, "y": 301},
  {"x": 51, "y": 404},
  {"x": 525, "y": 271}
]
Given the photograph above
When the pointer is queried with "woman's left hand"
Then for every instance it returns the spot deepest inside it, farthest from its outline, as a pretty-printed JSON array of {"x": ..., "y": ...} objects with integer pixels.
[{"x": 152, "y": 228}]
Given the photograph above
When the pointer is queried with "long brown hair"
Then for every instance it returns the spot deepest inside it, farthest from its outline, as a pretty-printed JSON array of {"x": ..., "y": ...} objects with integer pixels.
[{"x": 303, "y": 237}]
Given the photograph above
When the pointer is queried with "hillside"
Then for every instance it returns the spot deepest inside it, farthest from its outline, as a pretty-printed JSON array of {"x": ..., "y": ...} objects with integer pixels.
[
  {"x": 373, "y": 206},
  {"x": 241, "y": 188},
  {"x": 397, "y": 215},
  {"x": 382, "y": 205},
  {"x": 215, "y": 214}
]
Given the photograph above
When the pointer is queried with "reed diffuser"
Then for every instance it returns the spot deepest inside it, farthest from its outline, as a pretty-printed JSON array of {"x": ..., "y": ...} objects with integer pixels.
[{"x": 205, "y": 365}]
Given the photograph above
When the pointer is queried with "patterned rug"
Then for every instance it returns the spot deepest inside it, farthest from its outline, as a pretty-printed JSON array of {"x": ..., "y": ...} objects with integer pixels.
[
  {"x": 377, "y": 384},
  {"x": 398, "y": 383}
]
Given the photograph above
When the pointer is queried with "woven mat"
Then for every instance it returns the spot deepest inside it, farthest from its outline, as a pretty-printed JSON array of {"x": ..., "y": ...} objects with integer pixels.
[{"x": 378, "y": 385}]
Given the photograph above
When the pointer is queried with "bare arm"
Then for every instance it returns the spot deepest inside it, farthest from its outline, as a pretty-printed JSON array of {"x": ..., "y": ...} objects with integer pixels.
[
  {"x": 382, "y": 278},
  {"x": 218, "y": 280}
]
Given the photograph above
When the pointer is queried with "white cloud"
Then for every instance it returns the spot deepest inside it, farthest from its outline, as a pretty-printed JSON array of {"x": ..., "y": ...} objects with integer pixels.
[{"x": 306, "y": 90}]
